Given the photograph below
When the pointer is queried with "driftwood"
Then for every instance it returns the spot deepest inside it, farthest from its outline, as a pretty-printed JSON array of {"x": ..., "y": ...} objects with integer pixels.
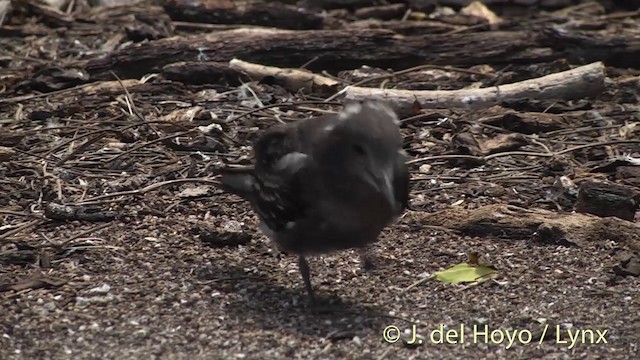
[
  {"x": 584, "y": 81},
  {"x": 607, "y": 199},
  {"x": 512, "y": 222},
  {"x": 573, "y": 84},
  {"x": 336, "y": 50}
]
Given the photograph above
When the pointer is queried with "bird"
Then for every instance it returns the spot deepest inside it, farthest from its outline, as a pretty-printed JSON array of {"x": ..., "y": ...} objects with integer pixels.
[{"x": 327, "y": 183}]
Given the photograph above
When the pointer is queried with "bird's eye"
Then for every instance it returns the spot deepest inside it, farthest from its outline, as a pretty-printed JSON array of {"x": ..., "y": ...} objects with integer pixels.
[{"x": 358, "y": 149}]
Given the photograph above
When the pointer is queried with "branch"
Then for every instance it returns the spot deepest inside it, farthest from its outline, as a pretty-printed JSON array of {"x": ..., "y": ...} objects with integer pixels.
[
  {"x": 581, "y": 82},
  {"x": 291, "y": 79}
]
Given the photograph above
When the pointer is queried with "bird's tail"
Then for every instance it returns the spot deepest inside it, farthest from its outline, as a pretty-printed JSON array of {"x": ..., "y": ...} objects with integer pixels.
[{"x": 240, "y": 182}]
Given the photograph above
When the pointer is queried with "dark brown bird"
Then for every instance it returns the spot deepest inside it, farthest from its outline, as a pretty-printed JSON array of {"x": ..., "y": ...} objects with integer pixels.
[{"x": 327, "y": 183}]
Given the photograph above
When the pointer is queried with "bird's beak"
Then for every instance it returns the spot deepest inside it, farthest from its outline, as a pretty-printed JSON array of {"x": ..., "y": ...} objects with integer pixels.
[{"x": 382, "y": 180}]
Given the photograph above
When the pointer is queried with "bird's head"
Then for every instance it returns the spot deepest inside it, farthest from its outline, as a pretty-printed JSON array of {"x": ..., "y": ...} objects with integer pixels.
[{"x": 363, "y": 144}]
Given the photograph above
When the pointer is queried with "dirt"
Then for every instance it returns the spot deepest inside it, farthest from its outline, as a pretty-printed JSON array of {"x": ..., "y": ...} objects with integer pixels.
[{"x": 123, "y": 269}]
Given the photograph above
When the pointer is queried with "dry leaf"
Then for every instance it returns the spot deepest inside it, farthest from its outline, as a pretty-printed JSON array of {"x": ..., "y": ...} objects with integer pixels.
[
  {"x": 503, "y": 142},
  {"x": 478, "y": 9}
]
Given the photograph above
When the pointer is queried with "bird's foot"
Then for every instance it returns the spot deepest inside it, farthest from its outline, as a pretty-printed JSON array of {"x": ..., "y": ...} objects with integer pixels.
[
  {"x": 276, "y": 252},
  {"x": 366, "y": 259},
  {"x": 316, "y": 305},
  {"x": 304, "y": 271},
  {"x": 278, "y": 255}
]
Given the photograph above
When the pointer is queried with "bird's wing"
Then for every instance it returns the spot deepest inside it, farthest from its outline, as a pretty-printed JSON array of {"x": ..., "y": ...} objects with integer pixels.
[
  {"x": 276, "y": 196},
  {"x": 278, "y": 181},
  {"x": 278, "y": 201}
]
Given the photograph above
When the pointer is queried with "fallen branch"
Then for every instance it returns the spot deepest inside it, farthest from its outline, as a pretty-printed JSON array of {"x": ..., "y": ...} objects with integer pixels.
[
  {"x": 335, "y": 50},
  {"x": 581, "y": 82},
  {"x": 291, "y": 79},
  {"x": 272, "y": 14},
  {"x": 512, "y": 222}
]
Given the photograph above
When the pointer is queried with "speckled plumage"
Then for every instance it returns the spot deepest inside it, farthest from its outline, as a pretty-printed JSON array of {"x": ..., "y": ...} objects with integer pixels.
[{"x": 327, "y": 183}]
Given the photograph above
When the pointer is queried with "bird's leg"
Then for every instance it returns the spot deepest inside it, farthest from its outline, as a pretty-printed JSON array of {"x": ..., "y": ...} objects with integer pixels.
[
  {"x": 275, "y": 250},
  {"x": 365, "y": 259},
  {"x": 304, "y": 270}
]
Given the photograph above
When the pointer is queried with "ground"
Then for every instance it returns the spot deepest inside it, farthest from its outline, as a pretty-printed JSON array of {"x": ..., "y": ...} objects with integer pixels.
[{"x": 128, "y": 270}]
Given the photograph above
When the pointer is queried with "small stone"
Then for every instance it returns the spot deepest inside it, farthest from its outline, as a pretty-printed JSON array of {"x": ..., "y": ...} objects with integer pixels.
[{"x": 102, "y": 289}]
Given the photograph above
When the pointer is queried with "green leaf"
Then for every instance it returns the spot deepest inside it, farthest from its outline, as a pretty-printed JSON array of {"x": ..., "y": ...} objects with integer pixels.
[{"x": 464, "y": 273}]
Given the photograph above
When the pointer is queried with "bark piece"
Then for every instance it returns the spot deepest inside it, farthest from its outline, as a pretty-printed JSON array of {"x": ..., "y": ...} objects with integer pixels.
[
  {"x": 272, "y": 14},
  {"x": 466, "y": 143},
  {"x": 406, "y": 27},
  {"x": 629, "y": 266},
  {"x": 54, "y": 78},
  {"x": 60, "y": 212},
  {"x": 527, "y": 122},
  {"x": 383, "y": 12},
  {"x": 614, "y": 47},
  {"x": 36, "y": 281},
  {"x": 516, "y": 223},
  {"x": 139, "y": 21},
  {"x": 607, "y": 199},
  {"x": 334, "y": 4},
  {"x": 198, "y": 73},
  {"x": 221, "y": 236}
]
